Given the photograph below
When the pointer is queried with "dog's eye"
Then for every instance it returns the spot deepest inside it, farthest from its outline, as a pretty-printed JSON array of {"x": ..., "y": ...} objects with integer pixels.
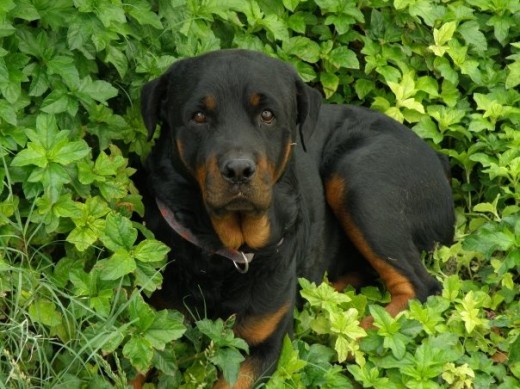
[
  {"x": 199, "y": 117},
  {"x": 267, "y": 116}
]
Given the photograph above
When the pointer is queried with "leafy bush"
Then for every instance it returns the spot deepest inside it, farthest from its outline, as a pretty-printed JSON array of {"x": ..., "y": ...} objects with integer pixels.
[{"x": 74, "y": 266}]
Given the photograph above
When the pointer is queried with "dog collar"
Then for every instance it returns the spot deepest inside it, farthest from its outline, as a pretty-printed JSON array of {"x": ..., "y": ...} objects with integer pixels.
[{"x": 238, "y": 257}]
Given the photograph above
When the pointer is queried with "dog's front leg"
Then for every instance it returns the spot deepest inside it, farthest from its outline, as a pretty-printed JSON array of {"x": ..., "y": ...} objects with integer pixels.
[{"x": 264, "y": 334}]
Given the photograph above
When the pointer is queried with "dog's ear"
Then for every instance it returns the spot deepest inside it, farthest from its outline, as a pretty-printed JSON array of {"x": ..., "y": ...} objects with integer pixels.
[
  {"x": 309, "y": 103},
  {"x": 152, "y": 96}
]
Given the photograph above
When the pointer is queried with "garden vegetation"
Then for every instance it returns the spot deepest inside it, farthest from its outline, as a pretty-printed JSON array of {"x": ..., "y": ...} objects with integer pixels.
[{"x": 75, "y": 261}]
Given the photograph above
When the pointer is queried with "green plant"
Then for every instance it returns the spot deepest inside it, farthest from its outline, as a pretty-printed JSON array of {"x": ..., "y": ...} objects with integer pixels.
[{"x": 74, "y": 264}]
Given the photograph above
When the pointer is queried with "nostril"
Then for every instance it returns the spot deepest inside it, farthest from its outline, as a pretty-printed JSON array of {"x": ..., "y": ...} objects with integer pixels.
[{"x": 238, "y": 170}]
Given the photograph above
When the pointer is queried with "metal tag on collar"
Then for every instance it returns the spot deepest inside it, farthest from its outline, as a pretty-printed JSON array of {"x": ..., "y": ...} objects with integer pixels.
[{"x": 246, "y": 259}]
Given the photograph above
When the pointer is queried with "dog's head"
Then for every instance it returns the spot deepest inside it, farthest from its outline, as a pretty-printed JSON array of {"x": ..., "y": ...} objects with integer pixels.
[{"x": 232, "y": 117}]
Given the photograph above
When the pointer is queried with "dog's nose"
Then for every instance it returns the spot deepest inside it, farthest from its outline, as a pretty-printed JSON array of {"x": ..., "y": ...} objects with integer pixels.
[{"x": 239, "y": 170}]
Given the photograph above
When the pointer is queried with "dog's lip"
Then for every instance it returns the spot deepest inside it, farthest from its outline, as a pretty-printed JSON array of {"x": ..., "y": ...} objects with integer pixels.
[{"x": 239, "y": 203}]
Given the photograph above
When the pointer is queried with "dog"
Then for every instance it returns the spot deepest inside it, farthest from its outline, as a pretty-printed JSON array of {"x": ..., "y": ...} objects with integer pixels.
[{"x": 253, "y": 182}]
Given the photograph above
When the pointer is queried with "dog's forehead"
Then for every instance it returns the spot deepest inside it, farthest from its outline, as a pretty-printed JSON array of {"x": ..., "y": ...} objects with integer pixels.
[{"x": 236, "y": 72}]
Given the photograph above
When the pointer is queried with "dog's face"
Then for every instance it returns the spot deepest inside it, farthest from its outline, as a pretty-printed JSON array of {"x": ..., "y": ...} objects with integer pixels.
[{"x": 232, "y": 118}]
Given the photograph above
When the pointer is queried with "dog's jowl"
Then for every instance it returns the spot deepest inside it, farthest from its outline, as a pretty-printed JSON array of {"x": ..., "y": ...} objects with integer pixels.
[{"x": 254, "y": 183}]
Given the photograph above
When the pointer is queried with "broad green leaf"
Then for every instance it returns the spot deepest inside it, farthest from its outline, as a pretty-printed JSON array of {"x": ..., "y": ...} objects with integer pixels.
[
  {"x": 291, "y": 4},
  {"x": 113, "y": 189},
  {"x": 275, "y": 26},
  {"x": 65, "y": 67},
  {"x": 513, "y": 75},
  {"x": 56, "y": 102},
  {"x": 228, "y": 360},
  {"x": 428, "y": 85},
  {"x": 471, "y": 313},
  {"x": 166, "y": 327},
  {"x": 8, "y": 113},
  {"x": 118, "y": 265},
  {"x": 34, "y": 154},
  {"x": 412, "y": 104},
  {"x": 303, "y": 48},
  {"x": 67, "y": 153},
  {"x": 139, "y": 352},
  {"x": 150, "y": 250},
  {"x": 44, "y": 311},
  {"x": 66, "y": 207},
  {"x": 119, "y": 233},
  {"x": 141, "y": 314},
  {"x": 322, "y": 296},
  {"x": 442, "y": 35},
  {"x": 289, "y": 361},
  {"x": 502, "y": 24},
  {"x": 98, "y": 90},
  {"x": 329, "y": 82},
  {"x": 118, "y": 59},
  {"x": 427, "y": 129},
  {"x": 471, "y": 33},
  {"x": 343, "y": 57},
  {"x": 363, "y": 87}
]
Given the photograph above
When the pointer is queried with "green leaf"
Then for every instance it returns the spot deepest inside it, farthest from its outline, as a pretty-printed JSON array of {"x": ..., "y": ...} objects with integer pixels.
[
  {"x": 276, "y": 26},
  {"x": 343, "y": 57},
  {"x": 119, "y": 233},
  {"x": 428, "y": 85},
  {"x": 166, "y": 327},
  {"x": 363, "y": 87},
  {"x": 98, "y": 90},
  {"x": 502, "y": 24},
  {"x": 44, "y": 311},
  {"x": 8, "y": 113},
  {"x": 513, "y": 75},
  {"x": 471, "y": 33},
  {"x": 56, "y": 102},
  {"x": 470, "y": 313},
  {"x": 442, "y": 35},
  {"x": 139, "y": 352},
  {"x": 303, "y": 48},
  {"x": 34, "y": 154},
  {"x": 67, "y": 153},
  {"x": 65, "y": 67},
  {"x": 289, "y": 361},
  {"x": 228, "y": 360},
  {"x": 141, "y": 314},
  {"x": 329, "y": 82},
  {"x": 82, "y": 237},
  {"x": 427, "y": 129},
  {"x": 118, "y": 265},
  {"x": 118, "y": 59},
  {"x": 291, "y": 4},
  {"x": 322, "y": 296},
  {"x": 150, "y": 250}
]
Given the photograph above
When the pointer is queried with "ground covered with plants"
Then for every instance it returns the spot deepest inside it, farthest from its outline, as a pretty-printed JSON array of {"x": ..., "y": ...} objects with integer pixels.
[{"x": 74, "y": 262}]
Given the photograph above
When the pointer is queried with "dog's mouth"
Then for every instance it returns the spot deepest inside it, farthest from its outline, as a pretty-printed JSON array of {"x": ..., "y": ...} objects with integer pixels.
[
  {"x": 240, "y": 204},
  {"x": 247, "y": 200}
]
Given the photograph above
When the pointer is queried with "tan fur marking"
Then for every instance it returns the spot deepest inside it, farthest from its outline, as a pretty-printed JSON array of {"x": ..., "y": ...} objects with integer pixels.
[
  {"x": 138, "y": 381},
  {"x": 180, "y": 150},
  {"x": 277, "y": 171},
  {"x": 210, "y": 102},
  {"x": 399, "y": 286},
  {"x": 256, "y": 231},
  {"x": 254, "y": 100},
  {"x": 256, "y": 329},
  {"x": 228, "y": 229}
]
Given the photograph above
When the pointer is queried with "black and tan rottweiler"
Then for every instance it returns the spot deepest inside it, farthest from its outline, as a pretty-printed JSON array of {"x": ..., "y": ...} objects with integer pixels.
[{"x": 253, "y": 183}]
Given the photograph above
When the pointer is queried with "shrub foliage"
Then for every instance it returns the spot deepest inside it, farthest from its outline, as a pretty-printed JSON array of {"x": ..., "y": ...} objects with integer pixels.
[{"x": 74, "y": 264}]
